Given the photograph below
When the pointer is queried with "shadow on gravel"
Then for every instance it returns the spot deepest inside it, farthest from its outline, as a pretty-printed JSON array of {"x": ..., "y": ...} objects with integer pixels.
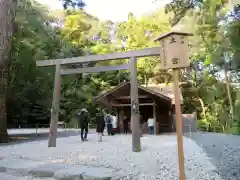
[
  {"x": 223, "y": 151},
  {"x": 23, "y": 138}
]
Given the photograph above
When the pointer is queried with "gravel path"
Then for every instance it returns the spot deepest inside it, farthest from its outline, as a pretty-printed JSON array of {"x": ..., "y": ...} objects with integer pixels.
[
  {"x": 224, "y": 152},
  {"x": 157, "y": 160}
]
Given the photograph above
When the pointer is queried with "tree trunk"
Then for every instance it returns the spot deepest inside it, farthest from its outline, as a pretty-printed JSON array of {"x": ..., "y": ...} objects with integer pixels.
[
  {"x": 229, "y": 95},
  {"x": 3, "y": 101},
  {"x": 145, "y": 80},
  {"x": 203, "y": 108},
  {"x": 6, "y": 22}
]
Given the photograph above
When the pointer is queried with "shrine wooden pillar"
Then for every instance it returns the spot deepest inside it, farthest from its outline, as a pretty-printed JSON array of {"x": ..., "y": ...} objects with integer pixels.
[
  {"x": 155, "y": 119},
  {"x": 120, "y": 119}
]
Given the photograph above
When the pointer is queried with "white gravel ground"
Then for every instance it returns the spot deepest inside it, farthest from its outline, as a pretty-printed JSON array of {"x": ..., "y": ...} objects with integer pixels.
[{"x": 157, "y": 160}]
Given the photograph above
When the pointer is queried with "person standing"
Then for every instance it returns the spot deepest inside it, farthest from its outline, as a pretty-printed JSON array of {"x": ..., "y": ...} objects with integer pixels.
[
  {"x": 83, "y": 122},
  {"x": 151, "y": 126},
  {"x": 114, "y": 124},
  {"x": 108, "y": 121},
  {"x": 104, "y": 114},
  {"x": 125, "y": 125},
  {"x": 103, "y": 125},
  {"x": 100, "y": 124}
]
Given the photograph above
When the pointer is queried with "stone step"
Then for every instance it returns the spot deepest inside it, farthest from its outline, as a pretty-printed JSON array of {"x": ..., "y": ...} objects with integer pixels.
[
  {"x": 5, "y": 176},
  {"x": 23, "y": 168},
  {"x": 19, "y": 167}
]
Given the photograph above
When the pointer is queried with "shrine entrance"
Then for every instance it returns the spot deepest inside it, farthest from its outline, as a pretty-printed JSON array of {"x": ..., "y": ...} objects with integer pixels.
[{"x": 154, "y": 101}]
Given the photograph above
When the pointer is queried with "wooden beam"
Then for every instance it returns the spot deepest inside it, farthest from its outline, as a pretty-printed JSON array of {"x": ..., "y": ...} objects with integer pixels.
[
  {"x": 129, "y": 97},
  {"x": 94, "y": 69},
  {"x": 155, "y": 51},
  {"x": 141, "y": 104}
]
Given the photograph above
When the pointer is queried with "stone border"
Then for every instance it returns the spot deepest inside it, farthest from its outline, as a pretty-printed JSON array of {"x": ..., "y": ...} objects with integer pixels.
[{"x": 23, "y": 167}]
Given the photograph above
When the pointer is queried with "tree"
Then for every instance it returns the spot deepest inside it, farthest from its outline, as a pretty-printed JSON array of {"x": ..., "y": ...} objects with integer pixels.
[
  {"x": 7, "y": 8},
  {"x": 138, "y": 34},
  {"x": 209, "y": 46},
  {"x": 179, "y": 8},
  {"x": 210, "y": 43},
  {"x": 29, "y": 100}
]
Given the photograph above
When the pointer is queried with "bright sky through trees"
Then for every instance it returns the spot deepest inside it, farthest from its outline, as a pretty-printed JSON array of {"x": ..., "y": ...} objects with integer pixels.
[{"x": 115, "y": 10}]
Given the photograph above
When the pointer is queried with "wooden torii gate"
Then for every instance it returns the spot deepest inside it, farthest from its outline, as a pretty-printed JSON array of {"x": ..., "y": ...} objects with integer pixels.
[{"x": 132, "y": 55}]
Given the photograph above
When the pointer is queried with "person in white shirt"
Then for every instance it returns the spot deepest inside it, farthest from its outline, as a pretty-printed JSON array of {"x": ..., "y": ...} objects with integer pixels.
[
  {"x": 114, "y": 123},
  {"x": 151, "y": 126}
]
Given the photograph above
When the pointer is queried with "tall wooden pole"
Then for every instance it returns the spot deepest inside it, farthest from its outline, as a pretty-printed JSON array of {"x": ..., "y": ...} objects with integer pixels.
[
  {"x": 55, "y": 108},
  {"x": 179, "y": 124},
  {"x": 135, "y": 114}
]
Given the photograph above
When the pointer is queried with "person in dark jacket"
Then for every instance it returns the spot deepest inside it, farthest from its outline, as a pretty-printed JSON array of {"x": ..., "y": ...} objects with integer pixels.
[
  {"x": 100, "y": 124},
  {"x": 108, "y": 121},
  {"x": 125, "y": 125},
  {"x": 83, "y": 122}
]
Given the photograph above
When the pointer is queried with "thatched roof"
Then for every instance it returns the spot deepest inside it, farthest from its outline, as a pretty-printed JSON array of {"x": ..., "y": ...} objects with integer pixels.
[
  {"x": 161, "y": 90},
  {"x": 111, "y": 89},
  {"x": 164, "y": 89}
]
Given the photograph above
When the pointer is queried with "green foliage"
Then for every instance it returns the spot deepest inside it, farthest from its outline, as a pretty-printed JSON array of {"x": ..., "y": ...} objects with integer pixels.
[
  {"x": 179, "y": 8},
  {"x": 203, "y": 125},
  {"x": 39, "y": 35},
  {"x": 28, "y": 98},
  {"x": 140, "y": 33},
  {"x": 213, "y": 47},
  {"x": 81, "y": 34}
]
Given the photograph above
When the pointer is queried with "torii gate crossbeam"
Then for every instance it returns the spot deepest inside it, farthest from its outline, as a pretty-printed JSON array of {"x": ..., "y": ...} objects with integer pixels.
[{"x": 102, "y": 57}]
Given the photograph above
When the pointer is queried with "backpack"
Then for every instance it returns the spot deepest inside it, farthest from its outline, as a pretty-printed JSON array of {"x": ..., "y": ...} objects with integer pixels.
[
  {"x": 108, "y": 119},
  {"x": 83, "y": 118}
]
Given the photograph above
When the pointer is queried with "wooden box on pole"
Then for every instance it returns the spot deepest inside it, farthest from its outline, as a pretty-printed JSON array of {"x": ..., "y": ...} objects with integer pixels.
[
  {"x": 174, "y": 55},
  {"x": 174, "y": 50}
]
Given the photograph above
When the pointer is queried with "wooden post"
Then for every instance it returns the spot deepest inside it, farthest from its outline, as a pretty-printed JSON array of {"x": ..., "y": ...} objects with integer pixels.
[
  {"x": 154, "y": 118},
  {"x": 55, "y": 108},
  {"x": 118, "y": 121},
  {"x": 135, "y": 114},
  {"x": 179, "y": 124},
  {"x": 121, "y": 118}
]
